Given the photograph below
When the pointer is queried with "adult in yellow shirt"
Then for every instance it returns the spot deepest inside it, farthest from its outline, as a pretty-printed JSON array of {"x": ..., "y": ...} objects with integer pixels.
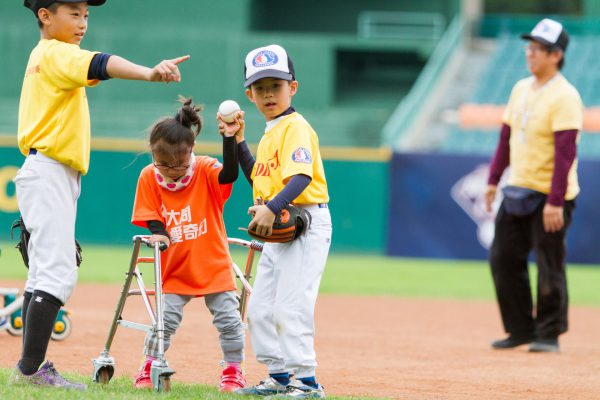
[
  {"x": 54, "y": 135},
  {"x": 538, "y": 140}
]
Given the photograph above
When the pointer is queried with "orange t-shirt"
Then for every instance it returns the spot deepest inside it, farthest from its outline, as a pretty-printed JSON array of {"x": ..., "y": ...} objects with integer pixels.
[{"x": 198, "y": 261}]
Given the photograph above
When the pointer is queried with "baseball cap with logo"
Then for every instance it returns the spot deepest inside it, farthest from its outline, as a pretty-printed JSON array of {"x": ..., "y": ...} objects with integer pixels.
[
  {"x": 268, "y": 62},
  {"x": 35, "y": 5},
  {"x": 550, "y": 33}
]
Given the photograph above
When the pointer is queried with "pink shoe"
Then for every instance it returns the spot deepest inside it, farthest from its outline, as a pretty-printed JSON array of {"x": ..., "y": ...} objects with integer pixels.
[
  {"x": 232, "y": 379},
  {"x": 142, "y": 378}
]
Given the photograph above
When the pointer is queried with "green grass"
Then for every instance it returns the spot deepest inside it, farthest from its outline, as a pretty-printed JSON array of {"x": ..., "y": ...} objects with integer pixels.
[
  {"x": 353, "y": 274},
  {"x": 119, "y": 388}
]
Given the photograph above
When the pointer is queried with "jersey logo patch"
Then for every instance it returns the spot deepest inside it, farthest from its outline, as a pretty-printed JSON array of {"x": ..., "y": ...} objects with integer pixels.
[
  {"x": 264, "y": 58},
  {"x": 301, "y": 155}
]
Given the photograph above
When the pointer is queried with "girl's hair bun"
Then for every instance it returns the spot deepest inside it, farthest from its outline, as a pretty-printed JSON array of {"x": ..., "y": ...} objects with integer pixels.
[{"x": 189, "y": 115}]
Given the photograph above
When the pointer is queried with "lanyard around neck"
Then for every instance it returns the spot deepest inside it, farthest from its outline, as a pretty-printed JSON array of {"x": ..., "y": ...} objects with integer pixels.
[{"x": 525, "y": 113}]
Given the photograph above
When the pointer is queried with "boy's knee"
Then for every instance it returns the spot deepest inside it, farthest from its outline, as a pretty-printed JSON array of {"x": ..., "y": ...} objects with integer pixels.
[
  {"x": 259, "y": 313},
  {"x": 284, "y": 316}
]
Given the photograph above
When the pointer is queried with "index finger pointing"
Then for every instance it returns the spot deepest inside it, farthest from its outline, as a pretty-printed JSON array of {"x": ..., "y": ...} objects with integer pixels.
[{"x": 179, "y": 60}]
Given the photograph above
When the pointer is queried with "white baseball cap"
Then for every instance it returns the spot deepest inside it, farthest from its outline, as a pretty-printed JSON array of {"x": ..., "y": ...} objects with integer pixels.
[
  {"x": 550, "y": 33},
  {"x": 268, "y": 62}
]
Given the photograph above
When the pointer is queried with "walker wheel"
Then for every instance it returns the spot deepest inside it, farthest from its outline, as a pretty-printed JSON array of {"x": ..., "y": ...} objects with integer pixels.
[
  {"x": 164, "y": 383},
  {"x": 103, "y": 376}
]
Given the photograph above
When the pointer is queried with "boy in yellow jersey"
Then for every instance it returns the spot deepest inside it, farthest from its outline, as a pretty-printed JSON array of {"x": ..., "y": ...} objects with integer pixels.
[
  {"x": 288, "y": 169},
  {"x": 54, "y": 135},
  {"x": 538, "y": 140}
]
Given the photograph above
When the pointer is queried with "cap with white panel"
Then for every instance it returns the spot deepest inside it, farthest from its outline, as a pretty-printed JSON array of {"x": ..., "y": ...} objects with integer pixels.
[
  {"x": 550, "y": 33},
  {"x": 268, "y": 62}
]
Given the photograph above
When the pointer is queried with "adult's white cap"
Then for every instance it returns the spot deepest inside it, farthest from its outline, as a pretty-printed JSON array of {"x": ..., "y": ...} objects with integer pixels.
[{"x": 550, "y": 33}]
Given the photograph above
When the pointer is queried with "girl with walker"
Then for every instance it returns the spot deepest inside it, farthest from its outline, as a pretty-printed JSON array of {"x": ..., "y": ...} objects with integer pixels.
[{"x": 180, "y": 199}]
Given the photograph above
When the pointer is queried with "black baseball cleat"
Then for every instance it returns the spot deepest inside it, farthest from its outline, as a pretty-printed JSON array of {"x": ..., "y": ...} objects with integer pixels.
[
  {"x": 547, "y": 345},
  {"x": 512, "y": 341}
]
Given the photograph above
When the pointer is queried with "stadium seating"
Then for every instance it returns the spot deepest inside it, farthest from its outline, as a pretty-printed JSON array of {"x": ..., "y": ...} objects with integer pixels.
[{"x": 507, "y": 66}]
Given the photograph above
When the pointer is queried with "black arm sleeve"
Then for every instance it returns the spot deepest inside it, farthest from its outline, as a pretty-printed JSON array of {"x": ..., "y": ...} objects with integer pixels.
[
  {"x": 97, "y": 68},
  {"x": 246, "y": 160},
  {"x": 294, "y": 187},
  {"x": 157, "y": 228},
  {"x": 229, "y": 173}
]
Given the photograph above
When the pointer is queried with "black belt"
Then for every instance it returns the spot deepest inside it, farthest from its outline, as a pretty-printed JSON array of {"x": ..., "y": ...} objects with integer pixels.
[{"x": 32, "y": 151}]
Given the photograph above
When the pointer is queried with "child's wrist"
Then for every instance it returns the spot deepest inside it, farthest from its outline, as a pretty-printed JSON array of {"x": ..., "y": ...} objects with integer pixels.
[{"x": 148, "y": 74}]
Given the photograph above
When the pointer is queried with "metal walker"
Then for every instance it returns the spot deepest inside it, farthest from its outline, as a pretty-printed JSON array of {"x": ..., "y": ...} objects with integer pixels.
[{"x": 160, "y": 372}]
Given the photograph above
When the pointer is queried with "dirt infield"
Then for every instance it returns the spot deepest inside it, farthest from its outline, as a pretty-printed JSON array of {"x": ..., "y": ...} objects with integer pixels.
[{"x": 366, "y": 346}]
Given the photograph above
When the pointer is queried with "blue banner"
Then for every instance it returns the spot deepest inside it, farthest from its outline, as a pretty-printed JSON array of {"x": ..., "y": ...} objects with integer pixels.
[{"x": 437, "y": 209}]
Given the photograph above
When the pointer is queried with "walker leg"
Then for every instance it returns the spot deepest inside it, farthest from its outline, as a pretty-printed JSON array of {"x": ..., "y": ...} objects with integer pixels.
[{"x": 104, "y": 365}]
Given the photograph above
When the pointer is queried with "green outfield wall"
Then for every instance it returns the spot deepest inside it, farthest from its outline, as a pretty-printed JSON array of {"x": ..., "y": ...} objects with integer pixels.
[
  {"x": 358, "y": 190},
  {"x": 349, "y": 83}
]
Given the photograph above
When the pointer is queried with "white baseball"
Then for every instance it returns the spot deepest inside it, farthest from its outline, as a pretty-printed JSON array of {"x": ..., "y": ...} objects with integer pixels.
[{"x": 228, "y": 110}]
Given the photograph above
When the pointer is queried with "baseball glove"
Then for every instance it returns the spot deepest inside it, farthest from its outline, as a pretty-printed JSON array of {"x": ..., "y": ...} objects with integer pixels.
[
  {"x": 24, "y": 236},
  {"x": 291, "y": 222}
]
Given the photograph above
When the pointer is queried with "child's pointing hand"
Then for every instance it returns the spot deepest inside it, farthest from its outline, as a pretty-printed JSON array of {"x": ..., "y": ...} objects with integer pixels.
[{"x": 167, "y": 70}]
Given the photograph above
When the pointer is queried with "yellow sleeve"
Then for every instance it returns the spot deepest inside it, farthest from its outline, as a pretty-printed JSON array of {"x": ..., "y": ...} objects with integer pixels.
[
  {"x": 506, "y": 116},
  {"x": 567, "y": 113},
  {"x": 66, "y": 66},
  {"x": 297, "y": 154}
]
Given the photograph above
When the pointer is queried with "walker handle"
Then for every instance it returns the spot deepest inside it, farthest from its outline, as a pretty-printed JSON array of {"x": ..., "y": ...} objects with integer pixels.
[{"x": 162, "y": 246}]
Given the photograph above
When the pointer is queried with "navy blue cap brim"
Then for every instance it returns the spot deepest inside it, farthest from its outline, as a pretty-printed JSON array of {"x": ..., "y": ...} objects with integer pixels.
[
  {"x": 527, "y": 36},
  {"x": 36, "y": 5},
  {"x": 90, "y": 2},
  {"x": 268, "y": 73}
]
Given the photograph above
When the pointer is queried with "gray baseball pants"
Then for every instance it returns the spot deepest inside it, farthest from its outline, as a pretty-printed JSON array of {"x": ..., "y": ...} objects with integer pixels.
[{"x": 226, "y": 318}]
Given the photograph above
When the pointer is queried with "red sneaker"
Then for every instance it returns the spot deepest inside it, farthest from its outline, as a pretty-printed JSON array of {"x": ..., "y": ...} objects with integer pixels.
[
  {"x": 142, "y": 378},
  {"x": 232, "y": 379}
]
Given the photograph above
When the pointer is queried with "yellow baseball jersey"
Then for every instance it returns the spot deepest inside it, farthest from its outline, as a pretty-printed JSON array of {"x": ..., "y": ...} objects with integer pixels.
[
  {"x": 54, "y": 117},
  {"x": 290, "y": 148},
  {"x": 533, "y": 116}
]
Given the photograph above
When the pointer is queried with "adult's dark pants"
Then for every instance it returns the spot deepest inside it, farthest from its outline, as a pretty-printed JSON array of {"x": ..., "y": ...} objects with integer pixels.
[{"x": 514, "y": 239}]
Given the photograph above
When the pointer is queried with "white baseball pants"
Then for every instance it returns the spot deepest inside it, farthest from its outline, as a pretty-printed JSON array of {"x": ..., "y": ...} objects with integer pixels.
[
  {"x": 47, "y": 193},
  {"x": 282, "y": 304}
]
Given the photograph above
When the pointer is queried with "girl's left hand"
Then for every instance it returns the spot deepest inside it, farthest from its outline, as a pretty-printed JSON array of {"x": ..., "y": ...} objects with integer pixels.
[
  {"x": 235, "y": 128},
  {"x": 262, "y": 222},
  {"x": 159, "y": 238}
]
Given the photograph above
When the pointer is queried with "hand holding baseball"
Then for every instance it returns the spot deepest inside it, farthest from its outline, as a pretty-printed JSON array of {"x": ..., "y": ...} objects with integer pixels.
[
  {"x": 231, "y": 120},
  {"x": 228, "y": 110},
  {"x": 167, "y": 70}
]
